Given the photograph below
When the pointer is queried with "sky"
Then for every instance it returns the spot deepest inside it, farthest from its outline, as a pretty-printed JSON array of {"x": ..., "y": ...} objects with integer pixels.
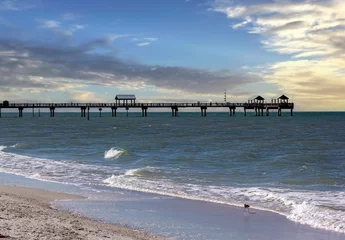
[{"x": 174, "y": 51}]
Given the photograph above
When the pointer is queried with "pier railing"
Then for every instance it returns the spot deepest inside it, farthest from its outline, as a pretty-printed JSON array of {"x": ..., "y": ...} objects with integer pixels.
[{"x": 139, "y": 105}]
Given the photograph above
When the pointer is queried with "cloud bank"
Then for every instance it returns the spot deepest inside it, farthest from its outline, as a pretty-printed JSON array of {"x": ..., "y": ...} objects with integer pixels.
[
  {"x": 36, "y": 66},
  {"x": 311, "y": 32}
]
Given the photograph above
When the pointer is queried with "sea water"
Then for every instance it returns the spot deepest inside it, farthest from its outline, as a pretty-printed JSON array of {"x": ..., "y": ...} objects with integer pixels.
[{"x": 294, "y": 166}]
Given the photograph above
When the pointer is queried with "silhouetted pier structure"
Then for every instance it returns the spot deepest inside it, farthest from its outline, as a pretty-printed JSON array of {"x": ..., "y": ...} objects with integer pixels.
[{"x": 257, "y": 104}]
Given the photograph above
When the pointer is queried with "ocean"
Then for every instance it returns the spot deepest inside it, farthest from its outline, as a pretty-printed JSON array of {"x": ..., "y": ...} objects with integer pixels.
[{"x": 294, "y": 166}]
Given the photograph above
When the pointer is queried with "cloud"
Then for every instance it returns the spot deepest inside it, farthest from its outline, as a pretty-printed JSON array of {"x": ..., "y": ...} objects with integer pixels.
[
  {"x": 144, "y": 41},
  {"x": 39, "y": 66},
  {"x": 311, "y": 32},
  {"x": 291, "y": 27},
  {"x": 15, "y": 5},
  {"x": 50, "y": 24},
  {"x": 57, "y": 27},
  {"x": 143, "y": 44}
]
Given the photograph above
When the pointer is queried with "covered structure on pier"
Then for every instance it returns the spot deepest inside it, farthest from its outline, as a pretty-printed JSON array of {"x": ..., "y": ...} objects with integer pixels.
[
  {"x": 125, "y": 98},
  {"x": 257, "y": 99},
  {"x": 282, "y": 99}
]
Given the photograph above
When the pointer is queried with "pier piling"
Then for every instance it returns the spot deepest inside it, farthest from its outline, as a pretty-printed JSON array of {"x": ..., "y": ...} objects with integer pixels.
[
  {"x": 203, "y": 111},
  {"x": 144, "y": 111},
  {"x": 20, "y": 109},
  {"x": 83, "y": 111},
  {"x": 52, "y": 111},
  {"x": 174, "y": 111},
  {"x": 113, "y": 111}
]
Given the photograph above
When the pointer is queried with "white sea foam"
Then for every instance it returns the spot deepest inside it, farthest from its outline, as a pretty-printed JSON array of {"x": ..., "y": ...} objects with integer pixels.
[
  {"x": 315, "y": 208},
  {"x": 51, "y": 170},
  {"x": 2, "y": 147},
  {"x": 320, "y": 209},
  {"x": 112, "y": 153},
  {"x": 36, "y": 176}
]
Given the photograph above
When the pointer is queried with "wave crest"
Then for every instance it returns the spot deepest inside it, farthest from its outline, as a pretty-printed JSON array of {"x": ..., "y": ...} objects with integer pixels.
[
  {"x": 112, "y": 153},
  {"x": 2, "y": 147}
]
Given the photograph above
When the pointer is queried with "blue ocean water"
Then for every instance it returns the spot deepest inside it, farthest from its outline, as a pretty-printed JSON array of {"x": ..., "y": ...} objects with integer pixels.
[{"x": 294, "y": 166}]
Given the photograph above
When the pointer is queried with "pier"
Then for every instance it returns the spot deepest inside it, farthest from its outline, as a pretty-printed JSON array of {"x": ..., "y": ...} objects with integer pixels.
[{"x": 257, "y": 104}]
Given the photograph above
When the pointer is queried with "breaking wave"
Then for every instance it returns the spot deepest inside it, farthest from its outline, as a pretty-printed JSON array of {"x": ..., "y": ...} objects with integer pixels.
[
  {"x": 315, "y": 208},
  {"x": 112, "y": 153}
]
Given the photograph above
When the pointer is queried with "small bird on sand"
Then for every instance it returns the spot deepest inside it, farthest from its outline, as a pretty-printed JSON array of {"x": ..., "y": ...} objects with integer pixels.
[{"x": 246, "y": 206}]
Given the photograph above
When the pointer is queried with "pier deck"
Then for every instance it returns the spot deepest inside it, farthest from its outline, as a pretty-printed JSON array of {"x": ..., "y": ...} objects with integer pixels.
[{"x": 258, "y": 107}]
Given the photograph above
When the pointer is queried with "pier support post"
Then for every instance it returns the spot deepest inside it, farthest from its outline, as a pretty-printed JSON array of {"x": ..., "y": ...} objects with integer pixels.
[
  {"x": 88, "y": 113},
  {"x": 291, "y": 113},
  {"x": 262, "y": 112},
  {"x": 127, "y": 108},
  {"x": 83, "y": 111},
  {"x": 100, "y": 112},
  {"x": 144, "y": 111},
  {"x": 203, "y": 111},
  {"x": 267, "y": 112},
  {"x": 20, "y": 109},
  {"x": 279, "y": 111},
  {"x": 245, "y": 112},
  {"x": 113, "y": 111},
  {"x": 256, "y": 111},
  {"x": 174, "y": 111},
  {"x": 52, "y": 111},
  {"x": 232, "y": 111},
  {"x": 33, "y": 112}
]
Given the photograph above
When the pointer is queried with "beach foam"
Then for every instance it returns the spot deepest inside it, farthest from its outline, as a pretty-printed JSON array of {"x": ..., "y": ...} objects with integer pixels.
[
  {"x": 320, "y": 209},
  {"x": 307, "y": 207},
  {"x": 67, "y": 172},
  {"x": 112, "y": 153}
]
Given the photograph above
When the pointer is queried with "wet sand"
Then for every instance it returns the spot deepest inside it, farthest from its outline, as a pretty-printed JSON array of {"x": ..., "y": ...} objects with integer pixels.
[{"x": 27, "y": 213}]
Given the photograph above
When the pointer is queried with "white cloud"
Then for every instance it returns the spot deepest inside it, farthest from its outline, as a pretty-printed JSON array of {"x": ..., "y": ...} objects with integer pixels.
[
  {"x": 113, "y": 37},
  {"x": 50, "y": 24},
  {"x": 14, "y": 5},
  {"x": 311, "y": 31},
  {"x": 143, "y": 44},
  {"x": 57, "y": 27},
  {"x": 291, "y": 27},
  {"x": 144, "y": 41},
  {"x": 151, "y": 39},
  {"x": 70, "y": 30}
]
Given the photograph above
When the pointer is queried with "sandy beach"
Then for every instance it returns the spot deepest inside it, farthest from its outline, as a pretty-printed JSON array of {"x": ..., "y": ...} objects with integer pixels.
[{"x": 26, "y": 213}]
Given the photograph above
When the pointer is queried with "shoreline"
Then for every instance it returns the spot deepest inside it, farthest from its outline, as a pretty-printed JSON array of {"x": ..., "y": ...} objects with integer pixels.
[
  {"x": 27, "y": 213},
  {"x": 125, "y": 214}
]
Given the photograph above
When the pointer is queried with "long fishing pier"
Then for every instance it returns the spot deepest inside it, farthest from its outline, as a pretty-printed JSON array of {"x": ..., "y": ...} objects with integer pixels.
[{"x": 260, "y": 108}]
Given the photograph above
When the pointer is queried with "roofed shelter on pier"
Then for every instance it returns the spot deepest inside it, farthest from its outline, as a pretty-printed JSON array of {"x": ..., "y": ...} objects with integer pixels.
[
  {"x": 125, "y": 98},
  {"x": 281, "y": 100}
]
